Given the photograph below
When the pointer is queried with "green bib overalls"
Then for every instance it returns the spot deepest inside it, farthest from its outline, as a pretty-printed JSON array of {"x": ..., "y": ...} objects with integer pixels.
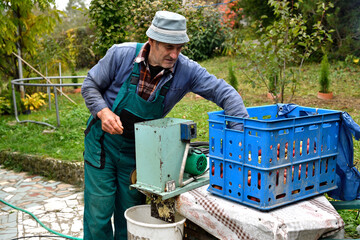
[{"x": 110, "y": 159}]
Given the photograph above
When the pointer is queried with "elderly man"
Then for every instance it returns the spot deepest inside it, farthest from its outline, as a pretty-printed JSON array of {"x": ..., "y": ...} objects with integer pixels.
[{"x": 136, "y": 82}]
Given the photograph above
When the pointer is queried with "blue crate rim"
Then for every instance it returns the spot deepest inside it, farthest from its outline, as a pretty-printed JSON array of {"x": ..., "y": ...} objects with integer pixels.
[{"x": 221, "y": 113}]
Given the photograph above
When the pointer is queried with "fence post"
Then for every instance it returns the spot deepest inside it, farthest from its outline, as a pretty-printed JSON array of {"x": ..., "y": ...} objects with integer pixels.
[
  {"x": 48, "y": 88},
  {"x": 60, "y": 78},
  {"x": 56, "y": 107}
]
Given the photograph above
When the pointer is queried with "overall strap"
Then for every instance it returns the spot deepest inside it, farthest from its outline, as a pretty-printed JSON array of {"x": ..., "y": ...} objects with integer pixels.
[
  {"x": 135, "y": 74},
  {"x": 165, "y": 88}
]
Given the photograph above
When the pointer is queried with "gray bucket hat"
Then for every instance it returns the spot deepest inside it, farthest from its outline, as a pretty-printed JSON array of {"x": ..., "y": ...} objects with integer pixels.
[{"x": 168, "y": 27}]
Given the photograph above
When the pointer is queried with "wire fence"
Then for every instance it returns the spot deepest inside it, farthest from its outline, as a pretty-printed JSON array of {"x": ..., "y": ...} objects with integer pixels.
[{"x": 51, "y": 87}]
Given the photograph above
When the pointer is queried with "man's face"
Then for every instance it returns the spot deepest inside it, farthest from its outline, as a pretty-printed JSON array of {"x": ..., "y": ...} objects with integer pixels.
[{"x": 163, "y": 54}]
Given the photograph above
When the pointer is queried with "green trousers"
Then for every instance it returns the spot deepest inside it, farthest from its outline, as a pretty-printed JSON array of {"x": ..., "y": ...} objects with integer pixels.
[{"x": 107, "y": 192}]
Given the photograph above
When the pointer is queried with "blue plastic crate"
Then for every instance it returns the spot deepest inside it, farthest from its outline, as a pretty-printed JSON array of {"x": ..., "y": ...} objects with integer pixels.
[{"x": 275, "y": 160}]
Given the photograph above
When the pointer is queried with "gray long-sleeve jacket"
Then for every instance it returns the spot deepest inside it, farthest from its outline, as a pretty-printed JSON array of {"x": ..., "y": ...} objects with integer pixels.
[{"x": 104, "y": 80}]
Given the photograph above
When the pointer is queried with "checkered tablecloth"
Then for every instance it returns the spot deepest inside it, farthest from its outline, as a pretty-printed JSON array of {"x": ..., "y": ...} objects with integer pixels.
[{"x": 309, "y": 219}]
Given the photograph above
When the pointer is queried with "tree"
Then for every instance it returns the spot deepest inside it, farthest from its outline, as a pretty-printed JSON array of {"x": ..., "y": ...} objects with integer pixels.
[
  {"x": 121, "y": 21},
  {"x": 255, "y": 9},
  {"x": 71, "y": 42},
  {"x": 278, "y": 55},
  {"x": 110, "y": 19},
  {"x": 344, "y": 19},
  {"x": 75, "y": 15},
  {"x": 22, "y": 23}
]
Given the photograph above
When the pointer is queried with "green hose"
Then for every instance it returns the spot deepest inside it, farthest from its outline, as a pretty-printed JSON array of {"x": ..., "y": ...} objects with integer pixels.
[{"x": 52, "y": 231}]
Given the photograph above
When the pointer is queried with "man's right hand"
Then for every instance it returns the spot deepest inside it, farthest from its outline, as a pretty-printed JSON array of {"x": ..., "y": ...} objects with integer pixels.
[{"x": 110, "y": 122}]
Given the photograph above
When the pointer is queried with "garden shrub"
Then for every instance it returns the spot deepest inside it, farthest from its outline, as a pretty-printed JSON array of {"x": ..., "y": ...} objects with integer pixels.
[
  {"x": 324, "y": 79},
  {"x": 203, "y": 24},
  {"x": 7, "y": 102},
  {"x": 206, "y": 34}
]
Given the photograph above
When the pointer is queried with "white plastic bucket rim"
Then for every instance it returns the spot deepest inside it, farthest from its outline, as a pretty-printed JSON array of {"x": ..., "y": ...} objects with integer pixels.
[{"x": 148, "y": 225}]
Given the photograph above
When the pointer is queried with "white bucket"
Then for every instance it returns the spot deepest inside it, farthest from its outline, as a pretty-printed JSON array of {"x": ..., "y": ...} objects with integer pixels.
[{"x": 141, "y": 225}]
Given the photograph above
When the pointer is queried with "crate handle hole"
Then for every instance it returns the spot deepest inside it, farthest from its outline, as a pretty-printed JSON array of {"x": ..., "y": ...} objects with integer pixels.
[
  {"x": 309, "y": 188},
  {"x": 280, "y": 196},
  {"x": 295, "y": 191},
  {"x": 217, "y": 187},
  {"x": 313, "y": 127},
  {"x": 323, "y": 183},
  {"x": 283, "y": 132},
  {"x": 253, "y": 198},
  {"x": 299, "y": 129}
]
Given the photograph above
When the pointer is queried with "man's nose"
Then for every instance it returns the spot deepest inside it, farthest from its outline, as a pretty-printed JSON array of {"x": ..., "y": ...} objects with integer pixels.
[{"x": 174, "y": 54}]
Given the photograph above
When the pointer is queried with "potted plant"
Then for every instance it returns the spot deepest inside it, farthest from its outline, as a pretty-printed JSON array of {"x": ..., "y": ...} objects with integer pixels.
[{"x": 324, "y": 79}]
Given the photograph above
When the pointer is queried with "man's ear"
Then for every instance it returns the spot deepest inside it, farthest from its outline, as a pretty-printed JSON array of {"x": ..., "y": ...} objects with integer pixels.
[{"x": 151, "y": 41}]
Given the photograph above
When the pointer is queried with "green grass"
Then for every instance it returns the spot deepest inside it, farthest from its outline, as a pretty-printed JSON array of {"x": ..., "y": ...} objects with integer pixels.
[
  {"x": 66, "y": 142},
  {"x": 351, "y": 220}
]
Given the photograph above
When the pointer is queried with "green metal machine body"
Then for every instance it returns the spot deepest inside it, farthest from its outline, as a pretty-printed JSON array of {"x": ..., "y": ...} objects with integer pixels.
[{"x": 160, "y": 145}]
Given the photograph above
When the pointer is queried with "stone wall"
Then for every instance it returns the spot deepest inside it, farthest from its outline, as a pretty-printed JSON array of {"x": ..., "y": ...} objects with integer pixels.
[{"x": 68, "y": 172}]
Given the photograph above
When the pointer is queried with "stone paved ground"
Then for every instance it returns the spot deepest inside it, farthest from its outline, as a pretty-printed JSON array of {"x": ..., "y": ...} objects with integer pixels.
[{"x": 57, "y": 205}]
